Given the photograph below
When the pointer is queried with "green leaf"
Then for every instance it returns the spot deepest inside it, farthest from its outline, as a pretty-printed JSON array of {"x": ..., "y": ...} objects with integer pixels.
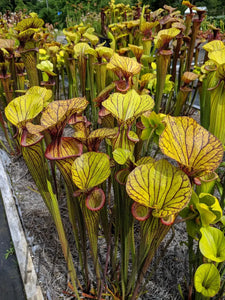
[
  {"x": 207, "y": 280},
  {"x": 212, "y": 244},
  {"x": 121, "y": 156},
  {"x": 27, "y": 34},
  {"x": 218, "y": 56},
  {"x": 7, "y": 43},
  {"x": 57, "y": 112},
  {"x": 27, "y": 23},
  {"x": 56, "y": 115},
  {"x": 96, "y": 136},
  {"x": 145, "y": 160},
  {"x": 101, "y": 133},
  {"x": 196, "y": 150},
  {"x": 207, "y": 217},
  {"x": 45, "y": 76},
  {"x": 213, "y": 46},
  {"x": 222, "y": 220},
  {"x": 193, "y": 227},
  {"x": 208, "y": 182},
  {"x": 169, "y": 85},
  {"x": 212, "y": 205},
  {"x": 124, "y": 65},
  {"x": 90, "y": 170},
  {"x": 23, "y": 109},
  {"x": 91, "y": 51},
  {"x": 91, "y": 219},
  {"x": 43, "y": 92},
  {"x": 160, "y": 186},
  {"x": 54, "y": 119},
  {"x": 165, "y": 36},
  {"x": 127, "y": 107},
  {"x": 80, "y": 49},
  {"x": 104, "y": 52},
  {"x": 47, "y": 67},
  {"x": 137, "y": 51},
  {"x": 132, "y": 136},
  {"x": 91, "y": 37},
  {"x": 72, "y": 36},
  {"x": 125, "y": 139},
  {"x": 217, "y": 112},
  {"x": 154, "y": 121},
  {"x": 104, "y": 94}
]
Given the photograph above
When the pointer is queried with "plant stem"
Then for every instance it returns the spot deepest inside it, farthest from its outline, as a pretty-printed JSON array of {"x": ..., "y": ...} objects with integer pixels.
[
  {"x": 36, "y": 163},
  {"x": 192, "y": 101},
  {"x": 205, "y": 104},
  {"x": 162, "y": 230},
  {"x": 90, "y": 74},
  {"x": 6, "y": 87},
  {"x": 62, "y": 237},
  {"x": 168, "y": 102},
  {"x": 75, "y": 216},
  {"x": 181, "y": 99},
  {"x": 30, "y": 62},
  {"x": 195, "y": 30},
  {"x": 222, "y": 202},
  {"x": 163, "y": 59},
  {"x": 191, "y": 264},
  {"x": 148, "y": 141},
  {"x": 159, "y": 258},
  {"x": 63, "y": 82},
  {"x": 91, "y": 219},
  {"x": 106, "y": 262},
  {"x": 179, "y": 40}
]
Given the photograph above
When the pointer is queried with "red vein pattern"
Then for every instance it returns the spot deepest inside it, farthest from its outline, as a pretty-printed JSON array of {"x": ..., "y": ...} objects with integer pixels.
[
  {"x": 90, "y": 169},
  {"x": 191, "y": 145},
  {"x": 160, "y": 186}
]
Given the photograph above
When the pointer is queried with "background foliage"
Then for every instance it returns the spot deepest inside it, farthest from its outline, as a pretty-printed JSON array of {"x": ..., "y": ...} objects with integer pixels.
[{"x": 57, "y": 12}]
